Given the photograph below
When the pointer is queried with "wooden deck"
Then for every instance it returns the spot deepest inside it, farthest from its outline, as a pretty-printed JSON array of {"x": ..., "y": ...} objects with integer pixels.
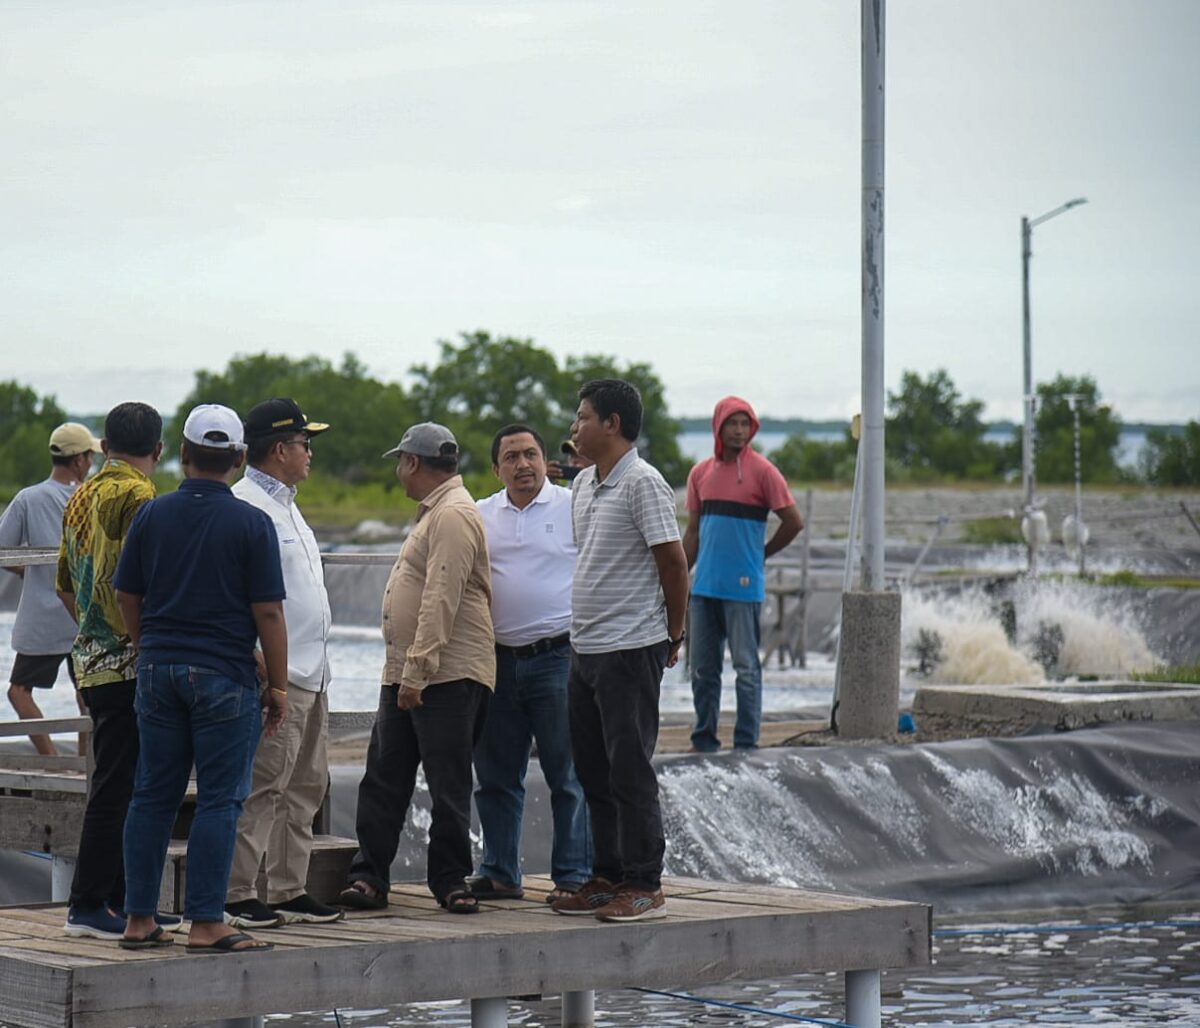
[{"x": 414, "y": 952}]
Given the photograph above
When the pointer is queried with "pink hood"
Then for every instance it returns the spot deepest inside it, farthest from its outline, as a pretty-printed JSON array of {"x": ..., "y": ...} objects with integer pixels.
[{"x": 723, "y": 411}]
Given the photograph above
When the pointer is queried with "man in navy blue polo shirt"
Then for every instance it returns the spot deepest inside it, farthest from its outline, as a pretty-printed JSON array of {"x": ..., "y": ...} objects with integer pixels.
[{"x": 199, "y": 583}]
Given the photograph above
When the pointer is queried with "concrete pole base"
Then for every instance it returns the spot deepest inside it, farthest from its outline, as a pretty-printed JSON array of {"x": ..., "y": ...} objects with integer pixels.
[{"x": 869, "y": 665}]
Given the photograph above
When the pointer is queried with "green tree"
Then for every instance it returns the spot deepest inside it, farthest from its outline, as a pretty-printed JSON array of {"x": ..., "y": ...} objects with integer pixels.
[
  {"x": 367, "y": 416},
  {"x": 26, "y": 421},
  {"x": 815, "y": 460},
  {"x": 933, "y": 433},
  {"x": 1099, "y": 432},
  {"x": 659, "y": 441},
  {"x": 481, "y": 384},
  {"x": 1171, "y": 457}
]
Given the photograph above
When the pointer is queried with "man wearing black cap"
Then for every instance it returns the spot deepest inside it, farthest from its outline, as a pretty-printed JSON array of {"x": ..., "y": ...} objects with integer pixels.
[
  {"x": 291, "y": 768},
  {"x": 437, "y": 680}
]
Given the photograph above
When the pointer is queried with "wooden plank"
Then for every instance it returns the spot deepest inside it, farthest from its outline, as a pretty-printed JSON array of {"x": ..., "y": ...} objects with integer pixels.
[
  {"x": 413, "y": 952},
  {"x": 29, "y": 781},
  {"x": 12, "y": 761},
  {"x": 46, "y": 726},
  {"x": 34, "y": 995},
  {"x": 478, "y": 962}
]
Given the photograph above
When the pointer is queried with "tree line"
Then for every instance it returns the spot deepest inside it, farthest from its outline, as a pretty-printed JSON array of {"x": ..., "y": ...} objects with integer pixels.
[{"x": 481, "y": 382}]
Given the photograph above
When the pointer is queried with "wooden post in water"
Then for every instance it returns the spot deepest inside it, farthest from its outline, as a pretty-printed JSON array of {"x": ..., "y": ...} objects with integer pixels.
[{"x": 800, "y": 656}]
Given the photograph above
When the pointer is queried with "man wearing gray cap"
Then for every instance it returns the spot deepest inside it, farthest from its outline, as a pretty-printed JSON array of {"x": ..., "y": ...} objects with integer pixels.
[
  {"x": 438, "y": 675},
  {"x": 44, "y": 632}
]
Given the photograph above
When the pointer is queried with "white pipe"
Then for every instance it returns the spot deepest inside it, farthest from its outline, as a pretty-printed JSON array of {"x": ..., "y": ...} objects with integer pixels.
[
  {"x": 491, "y": 1012},
  {"x": 579, "y": 1009},
  {"x": 864, "y": 999}
]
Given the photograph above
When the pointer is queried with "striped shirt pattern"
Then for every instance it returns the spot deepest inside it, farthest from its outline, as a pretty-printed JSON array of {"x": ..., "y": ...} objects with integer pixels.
[{"x": 617, "y": 601}]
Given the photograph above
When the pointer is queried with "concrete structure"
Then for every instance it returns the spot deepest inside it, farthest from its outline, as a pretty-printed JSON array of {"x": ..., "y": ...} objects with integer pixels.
[
  {"x": 972, "y": 710},
  {"x": 869, "y": 665}
]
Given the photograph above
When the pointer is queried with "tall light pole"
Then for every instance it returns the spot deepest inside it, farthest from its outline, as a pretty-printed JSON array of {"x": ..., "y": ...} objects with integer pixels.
[{"x": 1027, "y": 475}]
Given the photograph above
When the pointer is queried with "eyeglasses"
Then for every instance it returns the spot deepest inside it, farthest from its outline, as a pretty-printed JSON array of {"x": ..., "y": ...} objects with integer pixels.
[{"x": 306, "y": 443}]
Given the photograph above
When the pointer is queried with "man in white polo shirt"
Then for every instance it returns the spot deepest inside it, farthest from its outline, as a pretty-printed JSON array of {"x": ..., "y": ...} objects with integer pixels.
[
  {"x": 628, "y": 609},
  {"x": 532, "y": 550},
  {"x": 291, "y": 768}
]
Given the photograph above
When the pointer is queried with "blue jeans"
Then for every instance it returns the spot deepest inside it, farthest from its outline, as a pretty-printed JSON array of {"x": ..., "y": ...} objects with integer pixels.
[
  {"x": 185, "y": 715},
  {"x": 530, "y": 704},
  {"x": 712, "y": 623}
]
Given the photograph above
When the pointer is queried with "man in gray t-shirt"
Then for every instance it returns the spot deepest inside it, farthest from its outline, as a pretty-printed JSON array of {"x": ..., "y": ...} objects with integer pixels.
[
  {"x": 43, "y": 631},
  {"x": 628, "y": 609}
]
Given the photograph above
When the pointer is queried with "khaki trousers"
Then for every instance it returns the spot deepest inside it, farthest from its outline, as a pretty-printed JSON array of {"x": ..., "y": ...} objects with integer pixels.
[{"x": 291, "y": 773}]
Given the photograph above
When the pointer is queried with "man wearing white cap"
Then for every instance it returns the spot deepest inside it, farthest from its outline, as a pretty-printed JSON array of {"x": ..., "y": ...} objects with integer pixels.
[
  {"x": 199, "y": 584},
  {"x": 43, "y": 631}
]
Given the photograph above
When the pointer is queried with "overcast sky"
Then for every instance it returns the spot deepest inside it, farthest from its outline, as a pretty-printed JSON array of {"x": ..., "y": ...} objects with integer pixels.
[{"x": 674, "y": 181}]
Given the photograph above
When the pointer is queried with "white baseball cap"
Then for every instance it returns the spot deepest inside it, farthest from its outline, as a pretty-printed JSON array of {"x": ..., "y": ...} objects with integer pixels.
[{"x": 215, "y": 427}]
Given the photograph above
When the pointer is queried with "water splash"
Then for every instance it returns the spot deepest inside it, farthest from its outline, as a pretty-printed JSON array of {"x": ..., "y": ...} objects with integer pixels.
[
  {"x": 1065, "y": 629},
  {"x": 716, "y": 816},
  {"x": 1063, "y": 823},
  {"x": 1100, "y": 631},
  {"x": 973, "y": 647}
]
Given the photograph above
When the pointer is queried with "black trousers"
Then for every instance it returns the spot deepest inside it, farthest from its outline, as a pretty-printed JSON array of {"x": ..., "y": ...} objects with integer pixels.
[
  {"x": 613, "y": 703},
  {"x": 439, "y": 736},
  {"x": 100, "y": 870}
]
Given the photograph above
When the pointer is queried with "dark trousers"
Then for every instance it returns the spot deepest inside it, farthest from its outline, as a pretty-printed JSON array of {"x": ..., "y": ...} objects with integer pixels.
[
  {"x": 613, "y": 700},
  {"x": 100, "y": 870},
  {"x": 439, "y": 736}
]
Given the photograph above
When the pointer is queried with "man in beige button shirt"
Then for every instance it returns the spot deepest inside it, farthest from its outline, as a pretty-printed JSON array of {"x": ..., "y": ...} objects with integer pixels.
[{"x": 437, "y": 680}]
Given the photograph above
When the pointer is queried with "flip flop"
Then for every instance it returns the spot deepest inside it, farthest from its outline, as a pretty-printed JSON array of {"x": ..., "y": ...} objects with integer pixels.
[
  {"x": 485, "y": 888},
  {"x": 154, "y": 940},
  {"x": 460, "y": 901},
  {"x": 228, "y": 944},
  {"x": 356, "y": 899}
]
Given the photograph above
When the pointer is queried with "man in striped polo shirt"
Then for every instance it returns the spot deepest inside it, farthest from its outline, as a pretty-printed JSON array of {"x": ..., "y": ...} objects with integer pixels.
[
  {"x": 729, "y": 496},
  {"x": 628, "y": 611}
]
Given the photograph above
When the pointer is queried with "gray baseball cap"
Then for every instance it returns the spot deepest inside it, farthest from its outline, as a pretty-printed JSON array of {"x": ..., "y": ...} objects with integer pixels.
[{"x": 427, "y": 439}]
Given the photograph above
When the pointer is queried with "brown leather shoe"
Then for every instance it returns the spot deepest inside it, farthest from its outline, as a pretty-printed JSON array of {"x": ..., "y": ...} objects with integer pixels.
[
  {"x": 591, "y": 896},
  {"x": 632, "y": 904}
]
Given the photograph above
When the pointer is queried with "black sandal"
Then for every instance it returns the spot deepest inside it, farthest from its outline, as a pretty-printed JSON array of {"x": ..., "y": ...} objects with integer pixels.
[
  {"x": 460, "y": 901},
  {"x": 354, "y": 898}
]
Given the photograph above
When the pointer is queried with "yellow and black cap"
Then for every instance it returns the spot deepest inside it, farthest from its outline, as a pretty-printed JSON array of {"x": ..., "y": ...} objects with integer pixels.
[{"x": 279, "y": 415}]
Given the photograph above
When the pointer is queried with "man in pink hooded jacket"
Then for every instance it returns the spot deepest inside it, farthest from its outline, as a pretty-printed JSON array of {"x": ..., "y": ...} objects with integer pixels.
[{"x": 729, "y": 496}]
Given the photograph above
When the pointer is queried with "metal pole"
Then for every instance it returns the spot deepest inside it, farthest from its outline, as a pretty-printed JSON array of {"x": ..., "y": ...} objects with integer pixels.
[
  {"x": 872, "y": 291},
  {"x": 864, "y": 999},
  {"x": 1079, "y": 530},
  {"x": 1027, "y": 402},
  {"x": 579, "y": 1009}
]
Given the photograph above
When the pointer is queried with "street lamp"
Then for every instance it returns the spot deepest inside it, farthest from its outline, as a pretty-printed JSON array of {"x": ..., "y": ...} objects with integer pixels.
[{"x": 1029, "y": 525}]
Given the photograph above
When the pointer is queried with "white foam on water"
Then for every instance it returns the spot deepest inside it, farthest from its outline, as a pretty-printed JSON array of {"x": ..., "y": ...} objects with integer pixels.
[
  {"x": 872, "y": 790},
  {"x": 1062, "y": 821},
  {"x": 729, "y": 817}
]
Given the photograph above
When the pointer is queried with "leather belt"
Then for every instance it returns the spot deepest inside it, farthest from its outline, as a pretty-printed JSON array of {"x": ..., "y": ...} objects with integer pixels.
[{"x": 534, "y": 648}]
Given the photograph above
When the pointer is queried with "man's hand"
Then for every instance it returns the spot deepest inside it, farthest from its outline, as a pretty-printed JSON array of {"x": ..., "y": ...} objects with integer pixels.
[
  {"x": 275, "y": 707},
  {"x": 673, "y": 653},
  {"x": 408, "y": 698}
]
